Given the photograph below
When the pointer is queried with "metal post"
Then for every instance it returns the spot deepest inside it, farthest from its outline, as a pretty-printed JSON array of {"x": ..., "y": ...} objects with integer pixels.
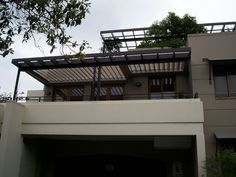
[
  {"x": 99, "y": 83},
  {"x": 103, "y": 47},
  {"x": 16, "y": 85},
  {"x": 210, "y": 73},
  {"x": 93, "y": 83}
]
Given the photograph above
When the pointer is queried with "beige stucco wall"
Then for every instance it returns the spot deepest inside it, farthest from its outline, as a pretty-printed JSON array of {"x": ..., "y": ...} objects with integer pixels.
[
  {"x": 127, "y": 117},
  {"x": 130, "y": 117},
  {"x": 125, "y": 111},
  {"x": 182, "y": 84},
  {"x": 1, "y": 116},
  {"x": 134, "y": 92},
  {"x": 219, "y": 114},
  {"x": 35, "y": 93},
  {"x": 11, "y": 144}
]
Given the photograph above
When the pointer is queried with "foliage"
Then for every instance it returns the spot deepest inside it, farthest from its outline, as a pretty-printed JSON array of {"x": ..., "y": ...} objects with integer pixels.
[
  {"x": 5, "y": 97},
  {"x": 111, "y": 46},
  {"x": 171, "y": 31},
  {"x": 223, "y": 164},
  {"x": 48, "y": 17}
]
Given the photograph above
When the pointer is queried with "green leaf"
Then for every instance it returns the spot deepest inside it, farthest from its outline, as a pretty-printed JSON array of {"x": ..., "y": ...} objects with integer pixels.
[{"x": 5, "y": 53}]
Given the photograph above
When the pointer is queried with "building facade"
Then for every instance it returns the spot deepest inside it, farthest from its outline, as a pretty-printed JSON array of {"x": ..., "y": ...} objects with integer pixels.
[{"x": 146, "y": 112}]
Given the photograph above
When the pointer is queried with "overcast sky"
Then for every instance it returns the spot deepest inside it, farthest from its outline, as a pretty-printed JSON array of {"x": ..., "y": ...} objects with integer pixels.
[{"x": 114, "y": 14}]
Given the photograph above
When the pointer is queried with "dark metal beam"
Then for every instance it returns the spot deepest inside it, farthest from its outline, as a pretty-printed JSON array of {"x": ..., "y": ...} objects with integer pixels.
[
  {"x": 98, "y": 83},
  {"x": 16, "y": 85},
  {"x": 104, "y": 64},
  {"x": 72, "y": 58},
  {"x": 38, "y": 77},
  {"x": 125, "y": 70},
  {"x": 93, "y": 83}
]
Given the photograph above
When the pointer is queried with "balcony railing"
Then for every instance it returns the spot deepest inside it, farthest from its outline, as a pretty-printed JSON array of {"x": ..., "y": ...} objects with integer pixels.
[
  {"x": 5, "y": 99},
  {"x": 164, "y": 95}
]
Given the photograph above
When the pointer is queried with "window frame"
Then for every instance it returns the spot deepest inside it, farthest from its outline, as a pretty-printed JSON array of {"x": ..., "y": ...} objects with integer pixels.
[
  {"x": 162, "y": 85},
  {"x": 225, "y": 71},
  {"x": 69, "y": 97},
  {"x": 108, "y": 91}
]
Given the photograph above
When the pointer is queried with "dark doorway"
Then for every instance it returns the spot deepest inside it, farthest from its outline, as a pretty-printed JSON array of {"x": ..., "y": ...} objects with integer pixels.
[{"x": 109, "y": 166}]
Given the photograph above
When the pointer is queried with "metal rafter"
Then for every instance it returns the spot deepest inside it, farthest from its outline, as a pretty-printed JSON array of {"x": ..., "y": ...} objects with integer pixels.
[
  {"x": 64, "y": 70},
  {"x": 109, "y": 35}
]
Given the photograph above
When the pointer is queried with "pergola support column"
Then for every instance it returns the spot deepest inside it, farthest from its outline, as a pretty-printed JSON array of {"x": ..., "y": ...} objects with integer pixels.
[
  {"x": 16, "y": 85},
  {"x": 93, "y": 83},
  {"x": 99, "y": 83}
]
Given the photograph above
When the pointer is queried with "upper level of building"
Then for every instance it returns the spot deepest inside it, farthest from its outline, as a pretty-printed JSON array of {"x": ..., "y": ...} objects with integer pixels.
[{"x": 151, "y": 73}]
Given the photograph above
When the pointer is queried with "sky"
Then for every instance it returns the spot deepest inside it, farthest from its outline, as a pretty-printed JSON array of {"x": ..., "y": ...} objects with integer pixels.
[{"x": 110, "y": 15}]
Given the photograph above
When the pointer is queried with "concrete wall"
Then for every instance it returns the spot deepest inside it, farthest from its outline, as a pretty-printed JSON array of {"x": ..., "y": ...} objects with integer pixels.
[
  {"x": 1, "y": 116},
  {"x": 11, "y": 144},
  {"x": 15, "y": 157},
  {"x": 115, "y": 112},
  {"x": 134, "y": 92},
  {"x": 38, "y": 95},
  {"x": 182, "y": 84},
  {"x": 219, "y": 114},
  {"x": 118, "y": 118},
  {"x": 130, "y": 117}
]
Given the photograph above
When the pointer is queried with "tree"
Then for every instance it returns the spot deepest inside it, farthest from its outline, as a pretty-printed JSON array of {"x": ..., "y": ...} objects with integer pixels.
[
  {"x": 48, "y": 17},
  {"x": 111, "y": 46},
  {"x": 5, "y": 97},
  {"x": 223, "y": 164},
  {"x": 171, "y": 31}
]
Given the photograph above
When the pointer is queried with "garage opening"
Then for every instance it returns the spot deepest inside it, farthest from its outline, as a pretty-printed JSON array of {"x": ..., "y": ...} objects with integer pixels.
[
  {"x": 109, "y": 166},
  {"x": 119, "y": 156}
]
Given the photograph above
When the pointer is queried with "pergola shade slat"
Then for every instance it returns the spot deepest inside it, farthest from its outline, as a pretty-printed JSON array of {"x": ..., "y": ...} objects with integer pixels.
[{"x": 59, "y": 70}]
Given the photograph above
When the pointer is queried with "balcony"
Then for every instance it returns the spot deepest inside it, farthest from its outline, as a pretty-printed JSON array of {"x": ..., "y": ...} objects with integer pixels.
[
  {"x": 152, "y": 96},
  {"x": 113, "y": 117},
  {"x": 138, "y": 74}
]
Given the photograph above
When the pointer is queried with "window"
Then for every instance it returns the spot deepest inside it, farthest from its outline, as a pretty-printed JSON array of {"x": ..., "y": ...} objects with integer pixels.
[
  {"x": 229, "y": 143},
  {"x": 110, "y": 92},
  {"x": 162, "y": 87},
  {"x": 69, "y": 93},
  {"x": 225, "y": 80}
]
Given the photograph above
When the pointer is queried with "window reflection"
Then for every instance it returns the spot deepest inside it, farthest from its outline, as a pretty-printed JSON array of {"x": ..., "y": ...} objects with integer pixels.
[
  {"x": 221, "y": 86},
  {"x": 225, "y": 80}
]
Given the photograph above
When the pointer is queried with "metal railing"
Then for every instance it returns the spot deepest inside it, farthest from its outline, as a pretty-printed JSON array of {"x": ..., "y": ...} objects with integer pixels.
[
  {"x": 153, "y": 96},
  {"x": 5, "y": 99}
]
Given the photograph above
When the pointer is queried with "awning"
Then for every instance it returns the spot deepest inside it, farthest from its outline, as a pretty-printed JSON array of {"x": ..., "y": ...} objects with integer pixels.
[{"x": 225, "y": 134}]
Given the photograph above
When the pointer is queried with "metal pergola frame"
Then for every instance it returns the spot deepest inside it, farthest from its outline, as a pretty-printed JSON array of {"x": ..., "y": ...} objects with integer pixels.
[
  {"x": 131, "y": 38},
  {"x": 95, "y": 66},
  {"x": 98, "y": 67}
]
